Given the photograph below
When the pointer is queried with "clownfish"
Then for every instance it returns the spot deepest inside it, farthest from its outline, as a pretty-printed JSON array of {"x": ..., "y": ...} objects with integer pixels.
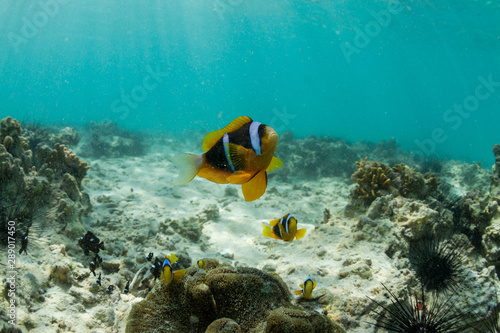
[
  {"x": 202, "y": 264},
  {"x": 307, "y": 288},
  {"x": 284, "y": 228},
  {"x": 420, "y": 306},
  {"x": 167, "y": 271},
  {"x": 240, "y": 153}
]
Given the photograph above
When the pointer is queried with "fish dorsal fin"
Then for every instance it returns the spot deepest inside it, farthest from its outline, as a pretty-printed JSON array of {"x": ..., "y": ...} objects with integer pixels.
[
  {"x": 300, "y": 233},
  {"x": 275, "y": 164},
  {"x": 274, "y": 222},
  {"x": 255, "y": 187},
  {"x": 212, "y": 137},
  {"x": 173, "y": 259}
]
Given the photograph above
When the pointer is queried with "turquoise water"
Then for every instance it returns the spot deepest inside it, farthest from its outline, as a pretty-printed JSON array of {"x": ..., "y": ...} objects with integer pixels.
[{"x": 424, "y": 72}]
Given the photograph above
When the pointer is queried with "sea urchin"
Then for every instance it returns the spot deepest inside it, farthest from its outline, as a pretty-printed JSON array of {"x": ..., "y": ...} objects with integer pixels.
[
  {"x": 437, "y": 263},
  {"x": 419, "y": 316}
]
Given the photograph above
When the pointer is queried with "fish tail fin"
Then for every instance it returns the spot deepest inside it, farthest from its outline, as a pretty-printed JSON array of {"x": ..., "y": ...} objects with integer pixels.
[
  {"x": 267, "y": 230},
  {"x": 178, "y": 274},
  {"x": 189, "y": 165},
  {"x": 300, "y": 233}
]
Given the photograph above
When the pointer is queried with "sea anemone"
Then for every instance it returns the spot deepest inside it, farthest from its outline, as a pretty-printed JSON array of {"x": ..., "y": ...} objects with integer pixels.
[
  {"x": 437, "y": 262},
  {"x": 420, "y": 316}
]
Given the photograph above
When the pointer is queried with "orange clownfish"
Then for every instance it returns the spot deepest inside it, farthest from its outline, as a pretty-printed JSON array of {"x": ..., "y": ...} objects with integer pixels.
[
  {"x": 284, "y": 228},
  {"x": 240, "y": 153},
  {"x": 167, "y": 271},
  {"x": 307, "y": 288}
]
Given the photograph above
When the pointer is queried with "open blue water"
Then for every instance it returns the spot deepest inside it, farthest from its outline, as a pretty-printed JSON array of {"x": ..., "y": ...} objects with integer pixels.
[{"x": 424, "y": 72}]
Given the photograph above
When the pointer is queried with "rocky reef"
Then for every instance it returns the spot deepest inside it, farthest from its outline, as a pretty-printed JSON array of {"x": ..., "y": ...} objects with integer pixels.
[
  {"x": 47, "y": 184},
  {"x": 225, "y": 299},
  {"x": 495, "y": 178},
  {"x": 375, "y": 179},
  {"x": 109, "y": 140}
]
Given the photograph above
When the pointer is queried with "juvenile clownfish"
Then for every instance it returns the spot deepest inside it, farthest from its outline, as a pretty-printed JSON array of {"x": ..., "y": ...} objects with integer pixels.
[
  {"x": 284, "y": 228},
  {"x": 420, "y": 306},
  {"x": 307, "y": 288},
  {"x": 167, "y": 271},
  {"x": 202, "y": 264},
  {"x": 240, "y": 153}
]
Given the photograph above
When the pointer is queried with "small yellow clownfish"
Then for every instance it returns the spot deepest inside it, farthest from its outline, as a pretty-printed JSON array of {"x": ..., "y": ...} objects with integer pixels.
[
  {"x": 167, "y": 271},
  {"x": 240, "y": 153},
  {"x": 307, "y": 288},
  {"x": 202, "y": 264},
  {"x": 284, "y": 228}
]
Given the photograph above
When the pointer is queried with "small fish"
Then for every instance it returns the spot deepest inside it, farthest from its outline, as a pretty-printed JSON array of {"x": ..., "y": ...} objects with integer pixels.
[
  {"x": 156, "y": 268},
  {"x": 149, "y": 257},
  {"x": 307, "y": 288},
  {"x": 90, "y": 242},
  {"x": 168, "y": 273},
  {"x": 125, "y": 290},
  {"x": 98, "y": 259},
  {"x": 110, "y": 289},
  {"x": 93, "y": 266},
  {"x": 284, "y": 228},
  {"x": 24, "y": 242},
  {"x": 202, "y": 264},
  {"x": 420, "y": 306},
  {"x": 240, "y": 153},
  {"x": 98, "y": 281}
]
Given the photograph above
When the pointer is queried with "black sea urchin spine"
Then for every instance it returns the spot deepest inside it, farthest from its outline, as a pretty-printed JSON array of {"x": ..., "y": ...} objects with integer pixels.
[
  {"x": 420, "y": 316},
  {"x": 437, "y": 263}
]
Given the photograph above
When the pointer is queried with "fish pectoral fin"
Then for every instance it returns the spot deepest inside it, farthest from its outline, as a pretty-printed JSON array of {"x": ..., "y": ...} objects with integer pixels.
[
  {"x": 300, "y": 233},
  {"x": 255, "y": 187},
  {"x": 178, "y": 274},
  {"x": 274, "y": 222},
  {"x": 314, "y": 284},
  {"x": 212, "y": 137},
  {"x": 298, "y": 292},
  {"x": 301, "y": 285},
  {"x": 240, "y": 177},
  {"x": 238, "y": 156},
  {"x": 188, "y": 165},
  {"x": 275, "y": 164}
]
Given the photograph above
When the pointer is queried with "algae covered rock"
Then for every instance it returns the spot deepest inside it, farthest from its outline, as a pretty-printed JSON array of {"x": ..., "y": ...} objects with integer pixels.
[
  {"x": 495, "y": 178},
  {"x": 109, "y": 140},
  {"x": 375, "y": 179},
  {"x": 298, "y": 320},
  {"x": 224, "y": 299},
  {"x": 59, "y": 161}
]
